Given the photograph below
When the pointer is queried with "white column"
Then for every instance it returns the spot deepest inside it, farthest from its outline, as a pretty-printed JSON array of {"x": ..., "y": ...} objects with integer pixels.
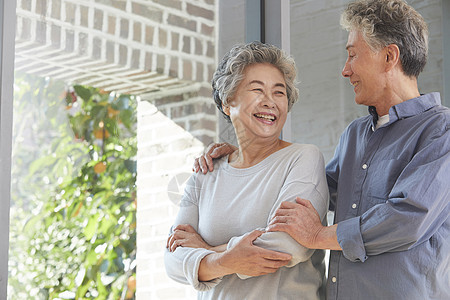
[{"x": 7, "y": 34}]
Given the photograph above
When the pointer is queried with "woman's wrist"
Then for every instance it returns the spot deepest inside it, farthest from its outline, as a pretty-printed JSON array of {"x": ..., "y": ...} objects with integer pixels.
[
  {"x": 211, "y": 267},
  {"x": 220, "y": 248}
]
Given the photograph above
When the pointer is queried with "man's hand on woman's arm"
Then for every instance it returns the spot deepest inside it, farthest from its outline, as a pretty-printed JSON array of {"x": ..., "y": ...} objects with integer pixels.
[
  {"x": 205, "y": 161},
  {"x": 301, "y": 221}
]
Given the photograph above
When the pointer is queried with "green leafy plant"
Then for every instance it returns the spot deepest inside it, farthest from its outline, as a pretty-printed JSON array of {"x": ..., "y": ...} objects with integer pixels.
[{"x": 80, "y": 241}]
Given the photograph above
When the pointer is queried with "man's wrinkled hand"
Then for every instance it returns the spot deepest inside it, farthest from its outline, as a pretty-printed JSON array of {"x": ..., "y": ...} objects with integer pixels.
[
  {"x": 300, "y": 220},
  {"x": 205, "y": 161}
]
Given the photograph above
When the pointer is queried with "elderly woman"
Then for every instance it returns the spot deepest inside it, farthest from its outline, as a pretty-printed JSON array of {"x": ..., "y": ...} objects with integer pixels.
[{"x": 218, "y": 243}]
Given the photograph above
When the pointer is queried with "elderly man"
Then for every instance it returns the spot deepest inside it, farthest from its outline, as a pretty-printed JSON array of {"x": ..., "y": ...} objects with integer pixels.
[{"x": 390, "y": 172}]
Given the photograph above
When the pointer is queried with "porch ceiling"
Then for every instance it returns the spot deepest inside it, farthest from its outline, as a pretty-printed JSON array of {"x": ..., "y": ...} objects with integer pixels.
[{"x": 44, "y": 60}]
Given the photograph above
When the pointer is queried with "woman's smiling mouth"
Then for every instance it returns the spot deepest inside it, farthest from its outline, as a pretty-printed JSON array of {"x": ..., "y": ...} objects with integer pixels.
[{"x": 266, "y": 118}]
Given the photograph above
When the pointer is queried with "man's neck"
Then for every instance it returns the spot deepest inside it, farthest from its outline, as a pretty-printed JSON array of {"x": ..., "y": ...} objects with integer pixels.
[{"x": 400, "y": 89}]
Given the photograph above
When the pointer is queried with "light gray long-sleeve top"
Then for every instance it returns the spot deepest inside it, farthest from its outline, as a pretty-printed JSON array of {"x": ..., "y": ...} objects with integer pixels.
[{"x": 224, "y": 205}]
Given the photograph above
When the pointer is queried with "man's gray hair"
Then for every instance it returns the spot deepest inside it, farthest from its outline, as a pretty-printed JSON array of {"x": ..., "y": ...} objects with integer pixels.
[
  {"x": 229, "y": 73},
  {"x": 386, "y": 22}
]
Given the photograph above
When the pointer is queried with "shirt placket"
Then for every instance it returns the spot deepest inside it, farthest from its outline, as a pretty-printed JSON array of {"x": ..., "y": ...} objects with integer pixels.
[
  {"x": 372, "y": 144},
  {"x": 373, "y": 140}
]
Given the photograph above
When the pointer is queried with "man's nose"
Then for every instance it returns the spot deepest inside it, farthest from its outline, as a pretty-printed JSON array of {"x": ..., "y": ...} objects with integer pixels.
[{"x": 346, "y": 71}]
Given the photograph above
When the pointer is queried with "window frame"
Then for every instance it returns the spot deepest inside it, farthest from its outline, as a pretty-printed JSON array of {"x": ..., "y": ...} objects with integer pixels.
[{"x": 7, "y": 41}]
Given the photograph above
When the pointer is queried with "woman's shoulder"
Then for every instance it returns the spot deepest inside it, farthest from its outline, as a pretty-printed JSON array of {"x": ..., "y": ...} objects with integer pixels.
[
  {"x": 306, "y": 155},
  {"x": 305, "y": 149}
]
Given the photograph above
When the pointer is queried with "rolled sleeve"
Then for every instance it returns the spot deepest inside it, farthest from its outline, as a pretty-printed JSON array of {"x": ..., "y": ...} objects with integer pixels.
[
  {"x": 189, "y": 259},
  {"x": 350, "y": 239}
]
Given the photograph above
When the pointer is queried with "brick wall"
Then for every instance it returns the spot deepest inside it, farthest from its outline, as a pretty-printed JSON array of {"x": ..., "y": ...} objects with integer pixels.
[{"x": 129, "y": 46}]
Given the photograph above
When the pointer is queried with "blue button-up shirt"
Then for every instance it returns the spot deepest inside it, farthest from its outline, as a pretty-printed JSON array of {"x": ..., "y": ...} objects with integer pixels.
[{"x": 392, "y": 189}]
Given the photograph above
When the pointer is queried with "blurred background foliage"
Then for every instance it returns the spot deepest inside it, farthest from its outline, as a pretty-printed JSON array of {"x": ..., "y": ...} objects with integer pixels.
[{"x": 73, "y": 207}]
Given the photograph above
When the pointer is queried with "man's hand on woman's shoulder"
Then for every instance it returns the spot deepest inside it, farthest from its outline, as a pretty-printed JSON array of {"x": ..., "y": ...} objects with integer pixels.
[{"x": 216, "y": 150}]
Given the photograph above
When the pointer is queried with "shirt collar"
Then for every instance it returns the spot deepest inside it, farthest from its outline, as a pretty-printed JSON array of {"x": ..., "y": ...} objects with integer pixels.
[
  {"x": 408, "y": 108},
  {"x": 413, "y": 107}
]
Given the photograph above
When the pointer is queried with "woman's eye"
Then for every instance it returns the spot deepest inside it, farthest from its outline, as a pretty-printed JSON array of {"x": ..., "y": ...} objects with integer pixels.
[
  {"x": 281, "y": 93},
  {"x": 258, "y": 90}
]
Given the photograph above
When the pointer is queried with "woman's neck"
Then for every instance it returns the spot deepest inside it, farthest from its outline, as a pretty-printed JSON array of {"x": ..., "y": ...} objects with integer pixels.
[{"x": 251, "y": 154}]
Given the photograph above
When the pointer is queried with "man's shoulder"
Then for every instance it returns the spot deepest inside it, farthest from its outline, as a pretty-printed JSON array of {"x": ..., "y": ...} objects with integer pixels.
[
  {"x": 439, "y": 116},
  {"x": 443, "y": 111}
]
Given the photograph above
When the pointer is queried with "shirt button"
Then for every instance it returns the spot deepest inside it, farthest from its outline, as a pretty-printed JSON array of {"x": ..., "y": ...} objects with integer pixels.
[
  {"x": 364, "y": 166},
  {"x": 354, "y": 205},
  {"x": 333, "y": 279}
]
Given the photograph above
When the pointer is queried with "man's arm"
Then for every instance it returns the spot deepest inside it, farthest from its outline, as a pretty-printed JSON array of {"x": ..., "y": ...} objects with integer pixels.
[{"x": 416, "y": 208}]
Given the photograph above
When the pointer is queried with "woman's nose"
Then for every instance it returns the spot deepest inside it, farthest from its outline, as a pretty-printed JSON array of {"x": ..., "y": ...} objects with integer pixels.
[{"x": 268, "y": 102}]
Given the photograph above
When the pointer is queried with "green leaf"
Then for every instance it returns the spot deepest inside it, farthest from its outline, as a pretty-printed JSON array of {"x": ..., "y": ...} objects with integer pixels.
[
  {"x": 82, "y": 92},
  {"x": 32, "y": 223},
  {"x": 131, "y": 165},
  {"x": 121, "y": 103},
  {"x": 91, "y": 227}
]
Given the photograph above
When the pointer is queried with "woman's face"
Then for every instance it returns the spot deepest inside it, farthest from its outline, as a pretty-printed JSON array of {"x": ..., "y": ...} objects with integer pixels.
[{"x": 259, "y": 107}]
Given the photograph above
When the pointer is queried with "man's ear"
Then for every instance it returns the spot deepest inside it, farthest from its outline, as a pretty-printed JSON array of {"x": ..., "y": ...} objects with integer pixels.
[{"x": 392, "y": 56}]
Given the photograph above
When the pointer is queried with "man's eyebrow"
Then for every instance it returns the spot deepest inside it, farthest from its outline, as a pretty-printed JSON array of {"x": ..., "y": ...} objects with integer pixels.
[{"x": 262, "y": 83}]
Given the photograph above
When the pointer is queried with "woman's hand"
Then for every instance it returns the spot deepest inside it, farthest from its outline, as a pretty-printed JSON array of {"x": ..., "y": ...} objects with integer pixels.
[
  {"x": 185, "y": 236},
  {"x": 243, "y": 258},
  {"x": 205, "y": 161}
]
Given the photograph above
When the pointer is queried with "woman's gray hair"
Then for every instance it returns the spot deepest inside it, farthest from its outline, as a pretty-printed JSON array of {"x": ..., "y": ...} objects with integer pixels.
[
  {"x": 229, "y": 72},
  {"x": 386, "y": 22}
]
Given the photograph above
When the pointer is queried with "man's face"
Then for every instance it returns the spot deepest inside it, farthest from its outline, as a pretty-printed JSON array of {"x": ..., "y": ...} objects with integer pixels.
[{"x": 365, "y": 70}]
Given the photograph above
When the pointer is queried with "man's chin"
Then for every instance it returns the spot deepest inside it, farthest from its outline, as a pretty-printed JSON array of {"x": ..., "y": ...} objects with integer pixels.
[{"x": 359, "y": 101}]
